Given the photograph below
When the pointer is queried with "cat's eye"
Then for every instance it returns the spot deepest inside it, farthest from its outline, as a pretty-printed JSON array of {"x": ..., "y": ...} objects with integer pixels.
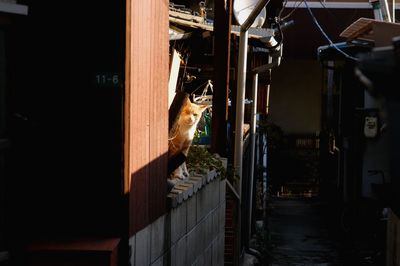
[{"x": 195, "y": 115}]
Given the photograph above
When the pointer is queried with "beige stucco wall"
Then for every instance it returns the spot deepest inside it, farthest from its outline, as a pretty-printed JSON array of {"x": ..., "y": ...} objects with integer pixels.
[{"x": 295, "y": 101}]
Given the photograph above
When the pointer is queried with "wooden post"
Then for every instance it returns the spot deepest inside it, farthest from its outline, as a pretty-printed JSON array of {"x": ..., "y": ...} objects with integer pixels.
[
  {"x": 222, "y": 29},
  {"x": 146, "y": 110}
]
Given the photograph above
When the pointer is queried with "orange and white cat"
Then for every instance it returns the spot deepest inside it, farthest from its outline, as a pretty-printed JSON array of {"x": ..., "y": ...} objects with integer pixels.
[{"x": 182, "y": 137}]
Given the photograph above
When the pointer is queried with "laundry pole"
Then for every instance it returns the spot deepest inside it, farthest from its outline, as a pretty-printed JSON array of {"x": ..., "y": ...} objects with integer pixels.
[
  {"x": 241, "y": 90},
  {"x": 253, "y": 128}
]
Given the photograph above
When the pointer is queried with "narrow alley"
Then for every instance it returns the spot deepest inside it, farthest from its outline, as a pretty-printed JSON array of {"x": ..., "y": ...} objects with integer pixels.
[
  {"x": 306, "y": 232},
  {"x": 200, "y": 133}
]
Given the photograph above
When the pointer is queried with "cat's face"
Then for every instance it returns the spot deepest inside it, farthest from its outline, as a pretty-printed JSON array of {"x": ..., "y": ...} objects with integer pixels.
[{"x": 191, "y": 114}]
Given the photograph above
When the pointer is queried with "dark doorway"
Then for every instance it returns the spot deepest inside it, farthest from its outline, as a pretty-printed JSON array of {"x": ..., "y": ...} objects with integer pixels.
[{"x": 64, "y": 108}]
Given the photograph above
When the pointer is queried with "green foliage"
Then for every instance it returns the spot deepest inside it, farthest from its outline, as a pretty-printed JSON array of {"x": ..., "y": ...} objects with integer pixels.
[
  {"x": 201, "y": 161},
  {"x": 202, "y": 134}
]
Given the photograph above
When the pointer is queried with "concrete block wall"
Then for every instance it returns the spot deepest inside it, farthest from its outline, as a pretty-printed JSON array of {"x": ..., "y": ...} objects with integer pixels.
[{"x": 192, "y": 233}]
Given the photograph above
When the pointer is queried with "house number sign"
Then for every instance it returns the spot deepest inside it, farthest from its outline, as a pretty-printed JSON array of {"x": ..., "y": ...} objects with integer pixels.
[{"x": 108, "y": 80}]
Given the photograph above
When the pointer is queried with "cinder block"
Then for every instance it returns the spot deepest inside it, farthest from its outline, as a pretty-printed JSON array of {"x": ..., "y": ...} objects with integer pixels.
[
  {"x": 178, "y": 194},
  {"x": 172, "y": 257},
  {"x": 196, "y": 184},
  {"x": 180, "y": 252},
  {"x": 222, "y": 209},
  {"x": 214, "y": 193},
  {"x": 191, "y": 213},
  {"x": 221, "y": 248},
  {"x": 191, "y": 247},
  {"x": 189, "y": 188},
  {"x": 204, "y": 200},
  {"x": 222, "y": 190},
  {"x": 201, "y": 237},
  {"x": 132, "y": 242},
  {"x": 201, "y": 204},
  {"x": 178, "y": 222},
  {"x": 195, "y": 242},
  {"x": 184, "y": 189},
  {"x": 208, "y": 228},
  {"x": 215, "y": 252},
  {"x": 172, "y": 200},
  {"x": 158, "y": 239},
  {"x": 198, "y": 181},
  {"x": 215, "y": 223},
  {"x": 199, "y": 261},
  {"x": 211, "y": 175},
  {"x": 202, "y": 178},
  {"x": 142, "y": 253},
  {"x": 208, "y": 256},
  {"x": 158, "y": 262}
]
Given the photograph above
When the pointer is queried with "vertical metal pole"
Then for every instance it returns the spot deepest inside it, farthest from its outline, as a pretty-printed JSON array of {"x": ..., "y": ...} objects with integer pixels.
[
  {"x": 241, "y": 89},
  {"x": 385, "y": 11},
  {"x": 267, "y": 101},
  {"x": 241, "y": 85},
  {"x": 393, "y": 11},
  {"x": 376, "y": 7},
  {"x": 252, "y": 145}
]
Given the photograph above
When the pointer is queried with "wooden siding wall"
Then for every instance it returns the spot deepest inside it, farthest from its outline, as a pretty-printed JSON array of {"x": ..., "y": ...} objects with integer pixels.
[{"x": 146, "y": 110}]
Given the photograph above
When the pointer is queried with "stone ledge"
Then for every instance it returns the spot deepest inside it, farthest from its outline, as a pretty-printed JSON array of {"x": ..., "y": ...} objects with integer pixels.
[{"x": 188, "y": 187}]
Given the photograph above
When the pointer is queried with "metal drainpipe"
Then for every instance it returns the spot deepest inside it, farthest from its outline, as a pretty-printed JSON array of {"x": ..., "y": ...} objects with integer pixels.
[
  {"x": 256, "y": 71},
  {"x": 267, "y": 100},
  {"x": 241, "y": 89},
  {"x": 252, "y": 145},
  {"x": 240, "y": 97}
]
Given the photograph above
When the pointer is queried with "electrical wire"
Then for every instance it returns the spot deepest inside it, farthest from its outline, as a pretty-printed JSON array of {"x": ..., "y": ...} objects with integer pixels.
[
  {"x": 329, "y": 12},
  {"x": 335, "y": 17},
  {"x": 291, "y": 12},
  {"x": 200, "y": 86},
  {"x": 326, "y": 36},
  {"x": 283, "y": 8}
]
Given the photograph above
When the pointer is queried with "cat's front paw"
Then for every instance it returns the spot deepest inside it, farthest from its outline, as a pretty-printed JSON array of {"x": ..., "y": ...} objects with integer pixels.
[
  {"x": 178, "y": 174},
  {"x": 186, "y": 174},
  {"x": 185, "y": 170}
]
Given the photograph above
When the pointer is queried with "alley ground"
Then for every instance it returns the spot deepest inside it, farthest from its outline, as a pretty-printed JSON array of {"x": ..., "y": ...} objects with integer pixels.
[{"x": 307, "y": 232}]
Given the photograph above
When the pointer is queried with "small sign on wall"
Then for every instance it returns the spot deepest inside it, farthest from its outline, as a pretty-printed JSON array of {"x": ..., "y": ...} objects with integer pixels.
[
  {"x": 107, "y": 79},
  {"x": 371, "y": 123}
]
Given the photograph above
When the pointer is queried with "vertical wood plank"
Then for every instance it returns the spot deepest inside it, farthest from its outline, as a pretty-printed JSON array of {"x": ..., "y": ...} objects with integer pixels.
[
  {"x": 159, "y": 114},
  {"x": 127, "y": 103},
  {"x": 146, "y": 113}
]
